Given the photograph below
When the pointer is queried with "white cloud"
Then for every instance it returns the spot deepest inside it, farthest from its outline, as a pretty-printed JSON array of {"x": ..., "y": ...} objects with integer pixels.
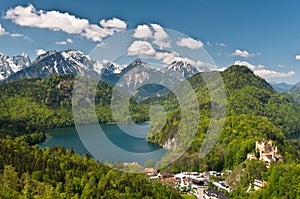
[
  {"x": 142, "y": 32},
  {"x": 297, "y": 57},
  {"x": 57, "y": 21},
  {"x": 222, "y": 44},
  {"x": 16, "y": 35},
  {"x": 40, "y": 51},
  {"x": 141, "y": 48},
  {"x": 273, "y": 74},
  {"x": 144, "y": 49},
  {"x": 29, "y": 16},
  {"x": 113, "y": 23},
  {"x": 251, "y": 66},
  {"x": 67, "y": 41},
  {"x": 161, "y": 38},
  {"x": 190, "y": 43},
  {"x": 242, "y": 53},
  {"x": 154, "y": 32},
  {"x": 61, "y": 42},
  {"x": 264, "y": 73},
  {"x": 166, "y": 57},
  {"x": 2, "y": 30}
]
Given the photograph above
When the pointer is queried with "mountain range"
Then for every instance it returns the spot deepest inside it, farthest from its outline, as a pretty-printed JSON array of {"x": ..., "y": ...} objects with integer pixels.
[
  {"x": 129, "y": 77},
  {"x": 76, "y": 63},
  {"x": 136, "y": 74}
]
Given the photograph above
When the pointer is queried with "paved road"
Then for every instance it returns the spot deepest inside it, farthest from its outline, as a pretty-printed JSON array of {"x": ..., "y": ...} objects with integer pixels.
[{"x": 199, "y": 194}]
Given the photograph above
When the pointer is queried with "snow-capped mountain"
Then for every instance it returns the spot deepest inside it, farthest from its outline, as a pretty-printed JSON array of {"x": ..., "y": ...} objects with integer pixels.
[
  {"x": 138, "y": 74},
  {"x": 181, "y": 70},
  {"x": 138, "y": 77},
  {"x": 109, "y": 72},
  {"x": 64, "y": 62},
  {"x": 9, "y": 66},
  {"x": 54, "y": 63}
]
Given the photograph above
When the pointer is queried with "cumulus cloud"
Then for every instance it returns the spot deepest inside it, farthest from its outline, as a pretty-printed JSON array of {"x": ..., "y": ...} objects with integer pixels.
[
  {"x": 67, "y": 41},
  {"x": 161, "y": 38},
  {"x": 264, "y": 73},
  {"x": 114, "y": 23},
  {"x": 142, "y": 32},
  {"x": 166, "y": 57},
  {"x": 144, "y": 49},
  {"x": 242, "y": 53},
  {"x": 57, "y": 21},
  {"x": 190, "y": 43},
  {"x": 141, "y": 48},
  {"x": 273, "y": 74},
  {"x": 40, "y": 51},
  {"x": 153, "y": 36},
  {"x": 297, "y": 57},
  {"x": 154, "y": 32}
]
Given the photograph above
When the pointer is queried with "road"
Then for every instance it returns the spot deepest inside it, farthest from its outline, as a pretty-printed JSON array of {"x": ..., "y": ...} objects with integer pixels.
[{"x": 199, "y": 194}]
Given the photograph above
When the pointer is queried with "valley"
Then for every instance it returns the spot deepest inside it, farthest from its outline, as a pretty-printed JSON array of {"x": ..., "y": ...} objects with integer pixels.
[{"x": 32, "y": 102}]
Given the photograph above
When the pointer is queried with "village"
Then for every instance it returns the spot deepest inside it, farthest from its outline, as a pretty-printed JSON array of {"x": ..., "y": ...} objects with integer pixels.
[{"x": 212, "y": 184}]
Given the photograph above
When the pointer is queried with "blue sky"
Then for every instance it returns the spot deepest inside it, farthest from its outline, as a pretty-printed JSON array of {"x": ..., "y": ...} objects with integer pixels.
[{"x": 265, "y": 35}]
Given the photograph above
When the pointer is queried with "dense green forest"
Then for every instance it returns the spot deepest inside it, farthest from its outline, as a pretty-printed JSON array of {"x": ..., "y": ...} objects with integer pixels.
[
  {"x": 254, "y": 112},
  {"x": 33, "y": 105},
  {"x": 32, "y": 172}
]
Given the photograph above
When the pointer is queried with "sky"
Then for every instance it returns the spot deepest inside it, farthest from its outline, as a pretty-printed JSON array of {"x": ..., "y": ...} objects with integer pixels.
[{"x": 263, "y": 35}]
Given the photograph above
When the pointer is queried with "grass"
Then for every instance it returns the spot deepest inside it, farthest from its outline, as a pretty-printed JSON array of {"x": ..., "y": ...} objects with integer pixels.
[{"x": 188, "y": 196}]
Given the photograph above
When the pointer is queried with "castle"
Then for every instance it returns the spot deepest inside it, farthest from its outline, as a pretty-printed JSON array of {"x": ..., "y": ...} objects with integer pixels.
[{"x": 267, "y": 153}]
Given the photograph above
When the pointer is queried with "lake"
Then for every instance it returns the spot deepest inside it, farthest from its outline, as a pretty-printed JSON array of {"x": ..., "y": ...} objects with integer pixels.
[{"x": 126, "y": 143}]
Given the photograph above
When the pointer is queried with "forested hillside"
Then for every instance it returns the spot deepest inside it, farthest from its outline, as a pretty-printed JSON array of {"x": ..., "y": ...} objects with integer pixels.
[
  {"x": 254, "y": 112},
  {"x": 31, "y": 172},
  {"x": 32, "y": 105}
]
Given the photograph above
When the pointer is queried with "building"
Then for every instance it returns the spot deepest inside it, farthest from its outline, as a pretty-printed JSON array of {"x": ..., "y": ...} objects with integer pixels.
[
  {"x": 258, "y": 184},
  {"x": 150, "y": 171},
  {"x": 267, "y": 153},
  {"x": 251, "y": 156}
]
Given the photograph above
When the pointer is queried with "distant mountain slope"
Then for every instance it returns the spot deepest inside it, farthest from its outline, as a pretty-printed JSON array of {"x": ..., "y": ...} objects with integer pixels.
[
  {"x": 281, "y": 87},
  {"x": 247, "y": 93},
  {"x": 295, "y": 92},
  {"x": 139, "y": 74},
  {"x": 182, "y": 70},
  {"x": 9, "y": 66},
  {"x": 55, "y": 63}
]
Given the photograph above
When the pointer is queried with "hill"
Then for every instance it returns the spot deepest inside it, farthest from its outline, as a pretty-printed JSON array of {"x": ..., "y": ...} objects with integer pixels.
[
  {"x": 295, "y": 92},
  {"x": 281, "y": 87},
  {"x": 33, "y": 105},
  {"x": 254, "y": 111}
]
